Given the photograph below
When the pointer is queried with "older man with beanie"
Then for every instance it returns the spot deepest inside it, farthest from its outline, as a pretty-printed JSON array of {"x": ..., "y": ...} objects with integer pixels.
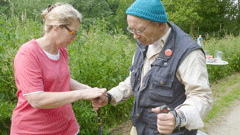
[{"x": 168, "y": 69}]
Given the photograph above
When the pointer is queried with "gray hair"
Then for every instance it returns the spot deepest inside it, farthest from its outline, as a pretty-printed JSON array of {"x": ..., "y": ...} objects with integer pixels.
[{"x": 59, "y": 14}]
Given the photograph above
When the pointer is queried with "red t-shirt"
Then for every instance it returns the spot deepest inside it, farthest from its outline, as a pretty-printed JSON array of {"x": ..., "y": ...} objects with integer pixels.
[{"x": 35, "y": 72}]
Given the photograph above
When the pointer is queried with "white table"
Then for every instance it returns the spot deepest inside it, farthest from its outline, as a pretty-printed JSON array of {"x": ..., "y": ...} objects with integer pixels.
[{"x": 222, "y": 62}]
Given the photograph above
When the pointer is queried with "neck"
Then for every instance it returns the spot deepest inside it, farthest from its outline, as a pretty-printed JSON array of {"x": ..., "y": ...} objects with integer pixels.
[
  {"x": 165, "y": 29},
  {"x": 162, "y": 31},
  {"x": 48, "y": 44}
]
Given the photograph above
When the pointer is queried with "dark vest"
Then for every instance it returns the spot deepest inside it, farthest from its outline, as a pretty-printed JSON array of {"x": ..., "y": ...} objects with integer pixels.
[{"x": 160, "y": 85}]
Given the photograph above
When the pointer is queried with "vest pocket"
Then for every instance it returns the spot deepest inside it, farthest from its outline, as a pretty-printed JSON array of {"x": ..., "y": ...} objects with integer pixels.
[
  {"x": 161, "y": 90},
  {"x": 159, "y": 82},
  {"x": 161, "y": 95}
]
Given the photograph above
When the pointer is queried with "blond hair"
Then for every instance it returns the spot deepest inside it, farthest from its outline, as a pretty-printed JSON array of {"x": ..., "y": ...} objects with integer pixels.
[{"x": 59, "y": 14}]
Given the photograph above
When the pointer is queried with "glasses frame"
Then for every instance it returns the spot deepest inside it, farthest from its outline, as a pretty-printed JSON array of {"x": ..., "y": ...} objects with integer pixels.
[
  {"x": 137, "y": 32},
  {"x": 73, "y": 33}
]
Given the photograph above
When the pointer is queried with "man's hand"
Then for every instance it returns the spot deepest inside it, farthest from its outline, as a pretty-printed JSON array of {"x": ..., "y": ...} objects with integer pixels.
[
  {"x": 99, "y": 102},
  {"x": 165, "y": 121}
]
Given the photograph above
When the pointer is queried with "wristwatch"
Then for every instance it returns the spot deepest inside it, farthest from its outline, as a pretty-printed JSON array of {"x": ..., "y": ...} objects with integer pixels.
[
  {"x": 177, "y": 118},
  {"x": 109, "y": 96},
  {"x": 183, "y": 119}
]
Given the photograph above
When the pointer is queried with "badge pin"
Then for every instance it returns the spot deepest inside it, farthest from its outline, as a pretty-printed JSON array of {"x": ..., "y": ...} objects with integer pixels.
[{"x": 168, "y": 52}]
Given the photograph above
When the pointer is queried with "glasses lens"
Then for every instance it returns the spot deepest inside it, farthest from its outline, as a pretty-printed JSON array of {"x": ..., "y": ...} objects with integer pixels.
[{"x": 130, "y": 30}]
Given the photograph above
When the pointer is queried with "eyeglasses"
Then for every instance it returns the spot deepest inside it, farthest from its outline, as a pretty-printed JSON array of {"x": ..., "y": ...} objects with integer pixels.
[
  {"x": 73, "y": 33},
  {"x": 137, "y": 31}
]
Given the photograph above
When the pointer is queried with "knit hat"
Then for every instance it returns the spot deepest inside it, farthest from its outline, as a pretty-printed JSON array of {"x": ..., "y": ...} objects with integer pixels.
[{"x": 152, "y": 10}]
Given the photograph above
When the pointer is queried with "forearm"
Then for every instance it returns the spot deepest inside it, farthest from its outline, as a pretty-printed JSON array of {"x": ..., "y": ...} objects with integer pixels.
[
  {"x": 48, "y": 100},
  {"x": 75, "y": 85},
  {"x": 122, "y": 92},
  {"x": 195, "y": 110}
]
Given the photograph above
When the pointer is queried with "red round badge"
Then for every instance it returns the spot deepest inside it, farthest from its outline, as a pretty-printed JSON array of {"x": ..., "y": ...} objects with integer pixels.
[{"x": 168, "y": 52}]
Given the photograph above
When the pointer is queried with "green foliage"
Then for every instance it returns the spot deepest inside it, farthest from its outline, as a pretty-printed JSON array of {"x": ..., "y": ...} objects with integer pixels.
[
  {"x": 218, "y": 16},
  {"x": 5, "y": 7},
  {"x": 92, "y": 9},
  {"x": 101, "y": 55},
  {"x": 121, "y": 16},
  {"x": 30, "y": 9},
  {"x": 231, "y": 53},
  {"x": 113, "y": 11},
  {"x": 183, "y": 13},
  {"x": 14, "y": 33},
  {"x": 100, "y": 59},
  {"x": 6, "y": 109},
  {"x": 199, "y": 17},
  {"x": 223, "y": 99}
]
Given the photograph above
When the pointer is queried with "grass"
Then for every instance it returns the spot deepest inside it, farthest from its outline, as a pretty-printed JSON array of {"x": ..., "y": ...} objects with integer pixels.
[{"x": 225, "y": 91}]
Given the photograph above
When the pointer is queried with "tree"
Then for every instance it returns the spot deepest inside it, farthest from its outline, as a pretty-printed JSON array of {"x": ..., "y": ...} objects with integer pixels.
[
  {"x": 218, "y": 16},
  {"x": 183, "y": 13},
  {"x": 92, "y": 9}
]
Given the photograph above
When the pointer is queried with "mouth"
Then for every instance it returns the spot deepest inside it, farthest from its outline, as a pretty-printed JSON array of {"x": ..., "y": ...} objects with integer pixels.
[{"x": 141, "y": 40}]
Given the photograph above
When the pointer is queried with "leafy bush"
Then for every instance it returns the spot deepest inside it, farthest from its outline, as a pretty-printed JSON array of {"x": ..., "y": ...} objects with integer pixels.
[
  {"x": 5, "y": 7},
  {"x": 230, "y": 47},
  {"x": 30, "y": 9},
  {"x": 6, "y": 109},
  {"x": 113, "y": 11},
  {"x": 100, "y": 60}
]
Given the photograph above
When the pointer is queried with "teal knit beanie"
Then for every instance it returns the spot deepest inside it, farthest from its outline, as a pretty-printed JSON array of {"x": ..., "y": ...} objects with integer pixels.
[{"x": 152, "y": 10}]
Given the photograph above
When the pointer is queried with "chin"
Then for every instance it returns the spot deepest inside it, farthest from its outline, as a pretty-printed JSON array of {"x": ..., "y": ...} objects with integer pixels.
[
  {"x": 145, "y": 43},
  {"x": 66, "y": 45}
]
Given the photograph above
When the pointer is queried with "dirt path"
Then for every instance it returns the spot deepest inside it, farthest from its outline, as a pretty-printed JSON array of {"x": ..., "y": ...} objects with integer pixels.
[{"x": 228, "y": 123}]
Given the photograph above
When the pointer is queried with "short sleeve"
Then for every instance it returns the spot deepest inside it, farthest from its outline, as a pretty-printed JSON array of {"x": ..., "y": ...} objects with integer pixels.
[{"x": 28, "y": 73}]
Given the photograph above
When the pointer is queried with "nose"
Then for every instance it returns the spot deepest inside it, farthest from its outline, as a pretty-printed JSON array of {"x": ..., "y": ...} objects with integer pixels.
[{"x": 135, "y": 36}]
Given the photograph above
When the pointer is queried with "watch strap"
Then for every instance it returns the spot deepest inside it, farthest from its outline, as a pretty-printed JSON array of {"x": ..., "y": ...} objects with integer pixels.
[
  {"x": 177, "y": 118},
  {"x": 109, "y": 96}
]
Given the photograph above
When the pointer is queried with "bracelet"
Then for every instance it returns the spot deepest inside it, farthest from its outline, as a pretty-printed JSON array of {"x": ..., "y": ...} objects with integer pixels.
[{"x": 109, "y": 96}]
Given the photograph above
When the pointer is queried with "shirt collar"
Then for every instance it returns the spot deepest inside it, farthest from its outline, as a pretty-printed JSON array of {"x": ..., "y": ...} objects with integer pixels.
[
  {"x": 157, "y": 46},
  {"x": 165, "y": 37}
]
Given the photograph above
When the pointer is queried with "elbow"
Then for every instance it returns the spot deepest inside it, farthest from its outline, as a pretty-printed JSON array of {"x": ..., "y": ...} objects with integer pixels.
[{"x": 34, "y": 101}]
